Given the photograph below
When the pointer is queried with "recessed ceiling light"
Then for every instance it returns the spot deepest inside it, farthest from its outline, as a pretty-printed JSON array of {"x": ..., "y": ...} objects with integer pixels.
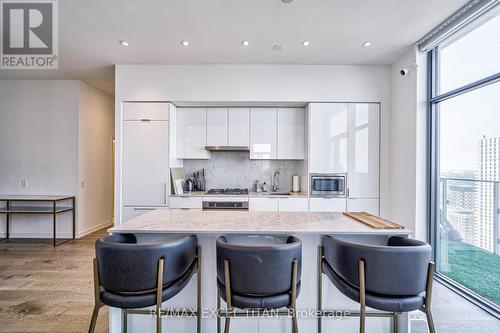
[
  {"x": 185, "y": 43},
  {"x": 286, "y": 1},
  {"x": 366, "y": 44},
  {"x": 123, "y": 43},
  {"x": 277, "y": 47},
  {"x": 306, "y": 43},
  {"x": 245, "y": 43}
]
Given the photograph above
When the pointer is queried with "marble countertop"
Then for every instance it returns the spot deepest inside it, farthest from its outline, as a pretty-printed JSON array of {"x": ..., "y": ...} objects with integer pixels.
[
  {"x": 252, "y": 194},
  {"x": 216, "y": 222}
]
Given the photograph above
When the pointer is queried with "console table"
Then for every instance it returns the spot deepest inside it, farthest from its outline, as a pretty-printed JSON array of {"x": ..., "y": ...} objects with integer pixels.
[{"x": 54, "y": 210}]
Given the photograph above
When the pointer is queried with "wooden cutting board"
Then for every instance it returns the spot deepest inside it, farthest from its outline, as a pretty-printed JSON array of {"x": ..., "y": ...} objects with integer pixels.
[
  {"x": 373, "y": 221},
  {"x": 176, "y": 174}
]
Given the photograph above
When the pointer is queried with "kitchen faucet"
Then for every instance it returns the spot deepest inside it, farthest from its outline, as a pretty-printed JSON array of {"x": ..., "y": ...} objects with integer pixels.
[{"x": 276, "y": 181}]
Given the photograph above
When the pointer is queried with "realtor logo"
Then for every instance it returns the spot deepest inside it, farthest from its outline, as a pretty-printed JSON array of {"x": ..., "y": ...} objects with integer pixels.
[{"x": 29, "y": 34}]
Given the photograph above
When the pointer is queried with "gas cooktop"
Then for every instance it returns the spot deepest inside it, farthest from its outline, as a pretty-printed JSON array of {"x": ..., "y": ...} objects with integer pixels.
[{"x": 228, "y": 191}]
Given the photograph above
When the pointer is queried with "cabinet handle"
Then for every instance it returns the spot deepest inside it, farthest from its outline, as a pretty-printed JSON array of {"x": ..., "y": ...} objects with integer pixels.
[
  {"x": 145, "y": 119},
  {"x": 166, "y": 193},
  {"x": 347, "y": 192},
  {"x": 137, "y": 208}
]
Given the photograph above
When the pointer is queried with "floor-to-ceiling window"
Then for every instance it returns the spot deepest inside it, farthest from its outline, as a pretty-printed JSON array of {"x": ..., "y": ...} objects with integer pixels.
[{"x": 465, "y": 159}]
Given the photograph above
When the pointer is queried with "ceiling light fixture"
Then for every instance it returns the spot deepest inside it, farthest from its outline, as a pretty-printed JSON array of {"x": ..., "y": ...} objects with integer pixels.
[
  {"x": 123, "y": 43},
  {"x": 245, "y": 43},
  {"x": 306, "y": 43},
  {"x": 277, "y": 47},
  {"x": 366, "y": 44},
  {"x": 185, "y": 43},
  {"x": 286, "y": 1}
]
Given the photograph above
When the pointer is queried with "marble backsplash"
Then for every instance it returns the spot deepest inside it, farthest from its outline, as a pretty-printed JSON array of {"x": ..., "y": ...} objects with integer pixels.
[{"x": 234, "y": 169}]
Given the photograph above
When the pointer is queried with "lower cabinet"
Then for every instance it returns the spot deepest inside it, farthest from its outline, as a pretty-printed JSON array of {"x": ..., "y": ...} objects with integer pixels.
[
  {"x": 282, "y": 204},
  {"x": 130, "y": 212},
  {"x": 293, "y": 204},
  {"x": 363, "y": 205},
  {"x": 327, "y": 204},
  {"x": 185, "y": 202},
  {"x": 263, "y": 204}
]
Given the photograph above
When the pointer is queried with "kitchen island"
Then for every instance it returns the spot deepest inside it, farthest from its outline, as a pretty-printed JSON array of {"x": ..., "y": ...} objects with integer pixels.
[{"x": 209, "y": 225}]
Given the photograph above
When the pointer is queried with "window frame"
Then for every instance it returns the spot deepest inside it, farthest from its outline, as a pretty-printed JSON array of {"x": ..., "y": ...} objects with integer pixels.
[{"x": 433, "y": 172}]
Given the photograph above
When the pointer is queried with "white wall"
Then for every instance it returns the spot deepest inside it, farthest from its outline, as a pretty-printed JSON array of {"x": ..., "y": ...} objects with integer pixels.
[
  {"x": 38, "y": 143},
  {"x": 408, "y": 143},
  {"x": 257, "y": 83},
  {"x": 50, "y": 132},
  {"x": 96, "y": 132}
]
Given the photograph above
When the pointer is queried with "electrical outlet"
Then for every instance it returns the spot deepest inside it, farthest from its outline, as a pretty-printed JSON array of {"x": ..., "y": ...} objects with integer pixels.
[
  {"x": 82, "y": 184},
  {"x": 24, "y": 183}
]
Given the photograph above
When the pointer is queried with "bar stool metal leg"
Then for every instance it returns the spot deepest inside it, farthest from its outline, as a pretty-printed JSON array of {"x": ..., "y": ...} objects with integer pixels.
[
  {"x": 227, "y": 281},
  {"x": 218, "y": 313},
  {"x": 198, "y": 289},
  {"x": 428, "y": 297},
  {"x": 159, "y": 294},
  {"x": 362, "y": 295},
  {"x": 395, "y": 323},
  {"x": 97, "y": 297},
  {"x": 320, "y": 286},
  {"x": 293, "y": 296}
]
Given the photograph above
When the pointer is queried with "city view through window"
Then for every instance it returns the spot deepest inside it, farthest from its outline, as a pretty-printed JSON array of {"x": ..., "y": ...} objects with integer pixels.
[{"x": 468, "y": 249}]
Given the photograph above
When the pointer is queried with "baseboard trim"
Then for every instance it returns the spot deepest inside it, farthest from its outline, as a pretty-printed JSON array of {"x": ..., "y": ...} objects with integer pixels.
[
  {"x": 94, "y": 228},
  {"x": 60, "y": 235}
]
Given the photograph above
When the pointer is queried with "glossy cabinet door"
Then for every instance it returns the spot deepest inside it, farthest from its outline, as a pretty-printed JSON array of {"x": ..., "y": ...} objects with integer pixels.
[
  {"x": 239, "y": 127},
  {"x": 145, "y": 176},
  {"x": 291, "y": 204},
  {"x": 263, "y": 133},
  {"x": 327, "y": 204},
  {"x": 328, "y": 137},
  {"x": 364, "y": 151},
  {"x": 363, "y": 205},
  {"x": 192, "y": 133},
  {"x": 263, "y": 204},
  {"x": 291, "y": 133},
  {"x": 217, "y": 126}
]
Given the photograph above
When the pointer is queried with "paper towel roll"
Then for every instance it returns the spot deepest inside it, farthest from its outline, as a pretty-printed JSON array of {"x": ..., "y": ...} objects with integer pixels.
[{"x": 295, "y": 184}]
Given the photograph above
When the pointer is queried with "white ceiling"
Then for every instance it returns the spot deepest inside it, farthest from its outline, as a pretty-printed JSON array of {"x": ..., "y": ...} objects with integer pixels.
[{"x": 89, "y": 31}]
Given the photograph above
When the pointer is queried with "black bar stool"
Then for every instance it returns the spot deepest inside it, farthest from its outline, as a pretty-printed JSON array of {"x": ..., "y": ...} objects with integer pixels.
[
  {"x": 132, "y": 276},
  {"x": 258, "y": 273},
  {"x": 395, "y": 278}
]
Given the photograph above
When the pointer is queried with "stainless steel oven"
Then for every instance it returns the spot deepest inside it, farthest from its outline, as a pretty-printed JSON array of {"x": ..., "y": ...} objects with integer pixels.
[
  {"x": 328, "y": 184},
  {"x": 225, "y": 203}
]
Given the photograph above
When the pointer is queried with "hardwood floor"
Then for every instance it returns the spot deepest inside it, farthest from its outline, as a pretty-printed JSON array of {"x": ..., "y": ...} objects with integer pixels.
[{"x": 47, "y": 289}]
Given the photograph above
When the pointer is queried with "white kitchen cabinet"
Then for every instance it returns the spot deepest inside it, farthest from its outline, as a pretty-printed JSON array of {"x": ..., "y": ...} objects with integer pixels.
[
  {"x": 327, "y": 204},
  {"x": 217, "y": 126},
  {"x": 363, "y": 147},
  {"x": 328, "y": 138},
  {"x": 239, "y": 127},
  {"x": 291, "y": 133},
  {"x": 290, "y": 204},
  {"x": 192, "y": 133},
  {"x": 145, "y": 110},
  {"x": 263, "y": 133},
  {"x": 263, "y": 205},
  {"x": 130, "y": 212},
  {"x": 179, "y": 202},
  {"x": 145, "y": 163},
  {"x": 363, "y": 205}
]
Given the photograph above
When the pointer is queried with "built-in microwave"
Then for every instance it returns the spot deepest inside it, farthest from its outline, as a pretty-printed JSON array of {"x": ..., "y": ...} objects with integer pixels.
[{"x": 328, "y": 184}]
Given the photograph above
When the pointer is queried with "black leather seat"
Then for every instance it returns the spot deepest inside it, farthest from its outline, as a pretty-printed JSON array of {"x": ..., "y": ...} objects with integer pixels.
[
  {"x": 258, "y": 272},
  {"x": 394, "y": 277},
  {"x": 129, "y": 272}
]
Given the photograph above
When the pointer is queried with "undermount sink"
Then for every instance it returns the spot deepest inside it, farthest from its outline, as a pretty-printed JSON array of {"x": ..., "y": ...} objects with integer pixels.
[{"x": 279, "y": 193}]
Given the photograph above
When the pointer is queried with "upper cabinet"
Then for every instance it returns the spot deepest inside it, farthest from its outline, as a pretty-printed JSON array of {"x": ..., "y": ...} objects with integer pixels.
[
  {"x": 363, "y": 146},
  {"x": 239, "y": 127},
  {"x": 277, "y": 133},
  {"x": 228, "y": 127},
  {"x": 291, "y": 133},
  {"x": 328, "y": 137},
  {"x": 217, "y": 126},
  {"x": 263, "y": 133},
  {"x": 192, "y": 133}
]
